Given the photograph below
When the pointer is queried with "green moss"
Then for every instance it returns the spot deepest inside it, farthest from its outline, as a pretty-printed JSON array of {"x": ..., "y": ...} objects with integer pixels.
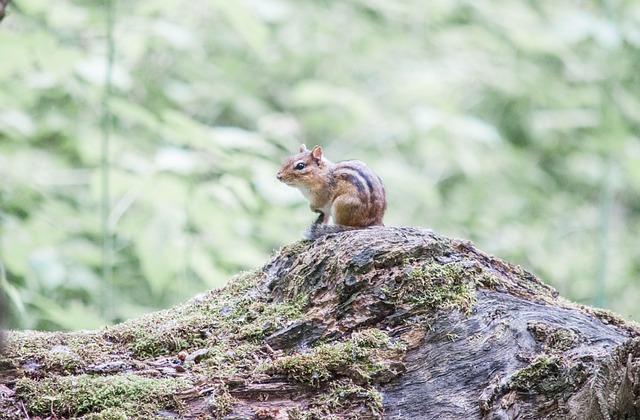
[
  {"x": 220, "y": 402},
  {"x": 542, "y": 371},
  {"x": 562, "y": 339},
  {"x": 160, "y": 333},
  {"x": 127, "y": 394},
  {"x": 343, "y": 397},
  {"x": 436, "y": 286},
  {"x": 294, "y": 248},
  {"x": 549, "y": 375},
  {"x": 488, "y": 280},
  {"x": 243, "y": 282},
  {"x": 607, "y": 316},
  {"x": 261, "y": 319},
  {"x": 67, "y": 353},
  {"x": 64, "y": 359},
  {"x": 216, "y": 320},
  {"x": 193, "y": 324},
  {"x": 108, "y": 414},
  {"x": 363, "y": 358},
  {"x": 346, "y": 393},
  {"x": 227, "y": 360},
  {"x": 553, "y": 338}
]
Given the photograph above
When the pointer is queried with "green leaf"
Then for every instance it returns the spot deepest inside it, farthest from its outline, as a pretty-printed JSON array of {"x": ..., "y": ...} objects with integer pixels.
[
  {"x": 254, "y": 32},
  {"x": 73, "y": 316}
]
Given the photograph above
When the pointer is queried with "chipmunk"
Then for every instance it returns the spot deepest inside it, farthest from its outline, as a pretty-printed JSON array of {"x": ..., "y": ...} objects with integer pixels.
[{"x": 349, "y": 192}]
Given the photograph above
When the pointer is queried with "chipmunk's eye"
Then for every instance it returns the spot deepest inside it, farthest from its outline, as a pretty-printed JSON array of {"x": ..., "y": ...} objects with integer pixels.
[{"x": 300, "y": 165}]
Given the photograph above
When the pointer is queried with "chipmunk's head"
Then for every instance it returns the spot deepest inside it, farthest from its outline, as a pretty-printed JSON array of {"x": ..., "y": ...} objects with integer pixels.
[{"x": 302, "y": 168}]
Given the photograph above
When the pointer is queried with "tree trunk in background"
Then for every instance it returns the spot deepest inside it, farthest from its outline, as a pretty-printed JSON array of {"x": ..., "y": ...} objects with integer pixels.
[
  {"x": 3, "y": 8},
  {"x": 382, "y": 322}
]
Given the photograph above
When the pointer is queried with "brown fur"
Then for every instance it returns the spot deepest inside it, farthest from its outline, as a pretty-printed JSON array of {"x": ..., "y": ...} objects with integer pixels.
[{"x": 348, "y": 191}]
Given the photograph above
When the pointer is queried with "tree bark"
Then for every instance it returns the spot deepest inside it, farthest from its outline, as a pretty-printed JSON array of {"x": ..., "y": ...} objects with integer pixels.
[{"x": 382, "y": 322}]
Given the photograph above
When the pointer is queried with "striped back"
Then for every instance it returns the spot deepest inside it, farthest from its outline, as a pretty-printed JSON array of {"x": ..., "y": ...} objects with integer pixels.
[{"x": 369, "y": 186}]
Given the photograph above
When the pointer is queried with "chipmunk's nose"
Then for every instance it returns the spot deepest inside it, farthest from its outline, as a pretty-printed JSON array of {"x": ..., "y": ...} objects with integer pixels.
[{"x": 279, "y": 176}]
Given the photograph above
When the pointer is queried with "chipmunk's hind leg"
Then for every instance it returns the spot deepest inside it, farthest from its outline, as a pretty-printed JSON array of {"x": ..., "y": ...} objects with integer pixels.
[
  {"x": 322, "y": 218},
  {"x": 350, "y": 211}
]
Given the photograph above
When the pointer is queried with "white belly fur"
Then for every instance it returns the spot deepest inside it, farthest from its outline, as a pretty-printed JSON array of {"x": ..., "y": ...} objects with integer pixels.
[{"x": 328, "y": 209}]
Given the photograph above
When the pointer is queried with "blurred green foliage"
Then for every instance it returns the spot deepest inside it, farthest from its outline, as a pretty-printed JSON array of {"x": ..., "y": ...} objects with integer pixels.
[{"x": 513, "y": 124}]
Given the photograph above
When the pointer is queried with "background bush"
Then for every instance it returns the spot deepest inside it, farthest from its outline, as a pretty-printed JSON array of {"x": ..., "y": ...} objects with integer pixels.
[{"x": 513, "y": 124}]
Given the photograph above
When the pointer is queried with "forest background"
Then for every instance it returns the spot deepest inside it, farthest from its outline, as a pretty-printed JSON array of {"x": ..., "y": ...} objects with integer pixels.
[{"x": 139, "y": 140}]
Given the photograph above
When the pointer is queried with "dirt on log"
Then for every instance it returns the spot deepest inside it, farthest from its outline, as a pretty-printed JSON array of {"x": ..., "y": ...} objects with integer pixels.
[{"x": 384, "y": 322}]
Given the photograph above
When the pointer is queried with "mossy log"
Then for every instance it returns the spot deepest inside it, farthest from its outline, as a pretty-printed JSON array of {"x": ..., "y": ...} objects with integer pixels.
[{"x": 383, "y": 322}]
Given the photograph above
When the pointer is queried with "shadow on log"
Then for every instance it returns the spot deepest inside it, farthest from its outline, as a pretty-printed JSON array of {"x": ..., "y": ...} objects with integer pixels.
[{"x": 383, "y": 322}]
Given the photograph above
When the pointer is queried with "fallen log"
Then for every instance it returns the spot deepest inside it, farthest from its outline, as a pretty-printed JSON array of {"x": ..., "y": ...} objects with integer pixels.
[{"x": 383, "y": 322}]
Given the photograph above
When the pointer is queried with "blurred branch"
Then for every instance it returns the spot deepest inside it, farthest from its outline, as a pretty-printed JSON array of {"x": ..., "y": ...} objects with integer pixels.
[
  {"x": 3, "y": 7},
  {"x": 107, "y": 240},
  {"x": 606, "y": 205}
]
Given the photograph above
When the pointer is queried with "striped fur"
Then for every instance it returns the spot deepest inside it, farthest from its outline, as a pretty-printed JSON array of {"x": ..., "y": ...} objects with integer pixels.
[{"x": 354, "y": 179}]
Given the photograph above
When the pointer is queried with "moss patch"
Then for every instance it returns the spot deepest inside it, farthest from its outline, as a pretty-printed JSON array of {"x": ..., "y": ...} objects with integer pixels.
[
  {"x": 553, "y": 338},
  {"x": 260, "y": 319},
  {"x": 223, "y": 326},
  {"x": 236, "y": 313},
  {"x": 224, "y": 360},
  {"x": 611, "y": 318},
  {"x": 218, "y": 313},
  {"x": 67, "y": 353},
  {"x": 294, "y": 248},
  {"x": 122, "y": 395},
  {"x": 220, "y": 402},
  {"x": 538, "y": 375},
  {"x": 435, "y": 286},
  {"x": 343, "y": 399},
  {"x": 365, "y": 358},
  {"x": 548, "y": 375}
]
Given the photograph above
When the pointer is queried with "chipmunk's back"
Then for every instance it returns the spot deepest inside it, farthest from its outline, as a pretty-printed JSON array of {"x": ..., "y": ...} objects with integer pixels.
[{"x": 355, "y": 178}]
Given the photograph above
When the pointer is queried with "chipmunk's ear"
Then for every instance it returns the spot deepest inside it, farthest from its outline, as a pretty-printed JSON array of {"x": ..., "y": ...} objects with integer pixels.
[
  {"x": 302, "y": 148},
  {"x": 316, "y": 153}
]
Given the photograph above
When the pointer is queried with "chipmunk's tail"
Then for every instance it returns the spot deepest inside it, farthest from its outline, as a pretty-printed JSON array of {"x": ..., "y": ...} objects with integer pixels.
[{"x": 317, "y": 230}]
